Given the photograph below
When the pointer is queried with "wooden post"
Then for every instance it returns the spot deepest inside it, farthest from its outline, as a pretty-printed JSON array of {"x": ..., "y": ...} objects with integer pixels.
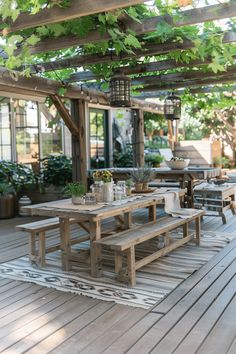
[
  {"x": 79, "y": 143},
  {"x": 138, "y": 137},
  {"x": 170, "y": 134}
]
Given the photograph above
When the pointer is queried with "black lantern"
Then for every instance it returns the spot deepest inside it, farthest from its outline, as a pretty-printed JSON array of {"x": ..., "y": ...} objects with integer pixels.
[
  {"x": 120, "y": 91},
  {"x": 172, "y": 107}
]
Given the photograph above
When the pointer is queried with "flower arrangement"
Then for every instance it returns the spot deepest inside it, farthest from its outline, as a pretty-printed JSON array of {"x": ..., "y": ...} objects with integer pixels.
[{"x": 102, "y": 175}]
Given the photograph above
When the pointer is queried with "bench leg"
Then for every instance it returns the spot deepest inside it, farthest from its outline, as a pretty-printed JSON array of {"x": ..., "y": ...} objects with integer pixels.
[
  {"x": 42, "y": 250},
  {"x": 32, "y": 246},
  {"x": 131, "y": 266},
  {"x": 118, "y": 262},
  {"x": 198, "y": 230}
]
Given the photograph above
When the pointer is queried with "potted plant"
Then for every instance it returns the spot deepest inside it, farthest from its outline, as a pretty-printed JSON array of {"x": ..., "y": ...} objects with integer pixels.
[
  {"x": 129, "y": 184},
  {"x": 7, "y": 201},
  {"x": 56, "y": 171},
  {"x": 153, "y": 160},
  {"x": 147, "y": 177},
  {"x": 105, "y": 177},
  {"x": 76, "y": 190},
  {"x": 137, "y": 177}
]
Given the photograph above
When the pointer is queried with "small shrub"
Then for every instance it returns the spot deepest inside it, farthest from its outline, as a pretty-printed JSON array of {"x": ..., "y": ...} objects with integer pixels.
[{"x": 56, "y": 170}]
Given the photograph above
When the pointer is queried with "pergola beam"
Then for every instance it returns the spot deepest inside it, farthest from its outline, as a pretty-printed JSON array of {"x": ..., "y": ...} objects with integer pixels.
[
  {"x": 77, "y": 8},
  {"x": 189, "y": 83},
  {"x": 207, "y": 89},
  {"x": 150, "y": 50},
  {"x": 189, "y": 17},
  {"x": 39, "y": 87},
  {"x": 189, "y": 75}
]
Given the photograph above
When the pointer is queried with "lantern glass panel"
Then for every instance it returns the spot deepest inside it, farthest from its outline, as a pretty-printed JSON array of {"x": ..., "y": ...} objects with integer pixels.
[
  {"x": 120, "y": 91},
  {"x": 172, "y": 107}
]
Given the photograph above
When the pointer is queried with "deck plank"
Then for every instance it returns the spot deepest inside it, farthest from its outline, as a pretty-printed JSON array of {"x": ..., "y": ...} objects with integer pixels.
[
  {"x": 41, "y": 320},
  {"x": 166, "y": 304},
  {"x": 222, "y": 334},
  {"x": 199, "y": 320},
  {"x": 37, "y": 330},
  {"x": 166, "y": 323}
]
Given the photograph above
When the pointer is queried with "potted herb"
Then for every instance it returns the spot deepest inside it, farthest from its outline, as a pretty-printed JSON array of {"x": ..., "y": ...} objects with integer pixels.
[
  {"x": 141, "y": 177},
  {"x": 137, "y": 177},
  {"x": 129, "y": 184},
  {"x": 7, "y": 201},
  {"x": 147, "y": 177},
  {"x": 76, "y": 190}
]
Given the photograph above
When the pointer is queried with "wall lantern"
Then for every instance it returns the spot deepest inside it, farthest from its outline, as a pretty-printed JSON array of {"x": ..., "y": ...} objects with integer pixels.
[
  {"x": 120, "y": 86},
  {"x": 172, "y": 107}
]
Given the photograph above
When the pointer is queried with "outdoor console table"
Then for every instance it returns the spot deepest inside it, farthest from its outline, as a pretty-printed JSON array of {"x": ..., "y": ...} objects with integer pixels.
[
  {"x": 94, "y": 214},
  {"x": 215, "y": 200}
]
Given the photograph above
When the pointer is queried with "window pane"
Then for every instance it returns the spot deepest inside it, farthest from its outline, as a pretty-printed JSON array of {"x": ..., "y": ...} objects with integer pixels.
[
  {"x": 26, "y": 114},
  {"x": 5, "y": 152},
  {"x": 5, "y": 133},
  {"x": 51, "y": 137},
  {"x": 27, "y": 147}
]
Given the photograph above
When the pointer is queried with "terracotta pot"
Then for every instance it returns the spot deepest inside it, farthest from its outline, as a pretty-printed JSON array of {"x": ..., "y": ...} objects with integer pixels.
[
  {"x": 7, "y": 206},
  {"x": 138, "y": 187},
  {"x": 145, "y": 186}
]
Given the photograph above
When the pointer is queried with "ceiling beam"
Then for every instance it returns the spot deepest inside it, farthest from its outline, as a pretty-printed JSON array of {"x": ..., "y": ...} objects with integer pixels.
[
  {"x": 150, "y": 50},
  {"x": 77, "y": 8},
  {"x": 189, "y": 17},
  {"x": 42, "y": 87},
  {"x": 207, "y": 89},
  {"x": 141, "y": 68},
  {"x": 189, "y": 75},
  {"x": 172, "y": 86}
]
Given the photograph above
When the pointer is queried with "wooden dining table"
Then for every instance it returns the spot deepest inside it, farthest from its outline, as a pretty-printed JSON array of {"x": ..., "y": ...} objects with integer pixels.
[
  {"x": 90, "y": 218},
  {"x": 186, "y": 177}
]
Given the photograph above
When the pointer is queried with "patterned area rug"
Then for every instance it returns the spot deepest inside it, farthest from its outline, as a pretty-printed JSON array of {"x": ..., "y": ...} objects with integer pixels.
[{"x": 154, "y": 281}]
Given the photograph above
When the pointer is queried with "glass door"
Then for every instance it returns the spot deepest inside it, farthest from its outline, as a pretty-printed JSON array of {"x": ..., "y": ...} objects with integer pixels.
[{"x": 98, "y": 131}]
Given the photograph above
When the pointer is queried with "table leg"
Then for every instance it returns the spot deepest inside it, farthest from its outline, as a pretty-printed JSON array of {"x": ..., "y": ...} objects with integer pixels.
[
  {"x": 190, "y": 194},
  {"x": 152, "y": 213},
  {"x": 95, "y": 250},
  {"x": 65, "y": 243},
  {"x": 127, "y": 220}
]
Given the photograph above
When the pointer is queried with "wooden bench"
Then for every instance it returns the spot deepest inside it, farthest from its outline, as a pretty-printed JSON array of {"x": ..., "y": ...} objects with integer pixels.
[
  {"x": 125, "y": 242},
  {"x": 37, "y": 238}
]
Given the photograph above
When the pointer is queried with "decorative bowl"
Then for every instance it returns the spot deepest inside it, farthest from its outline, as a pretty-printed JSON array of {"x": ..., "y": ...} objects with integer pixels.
[{"x": 177, "y": 164}]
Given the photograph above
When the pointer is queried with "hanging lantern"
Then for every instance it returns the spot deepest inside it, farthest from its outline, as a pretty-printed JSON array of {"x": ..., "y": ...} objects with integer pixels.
[
  {"x": 172, "y": 107},
  {"x": 120, "y": 91}
]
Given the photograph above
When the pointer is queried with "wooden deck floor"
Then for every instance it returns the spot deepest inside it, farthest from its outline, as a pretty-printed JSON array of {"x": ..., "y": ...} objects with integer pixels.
[{"x": 197, "y": 317}]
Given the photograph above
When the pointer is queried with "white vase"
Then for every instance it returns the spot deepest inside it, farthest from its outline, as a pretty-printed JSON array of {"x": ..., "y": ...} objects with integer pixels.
[
  {"x": 108, "y": 194},
  {"x": 77, "y": 199}
]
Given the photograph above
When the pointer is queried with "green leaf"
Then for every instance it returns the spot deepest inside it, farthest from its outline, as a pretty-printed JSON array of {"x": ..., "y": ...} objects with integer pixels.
[
  {"x": 33, "y": 39},
  {"x": 61, "y": 91},
  {"x": 132, "y": 41}
]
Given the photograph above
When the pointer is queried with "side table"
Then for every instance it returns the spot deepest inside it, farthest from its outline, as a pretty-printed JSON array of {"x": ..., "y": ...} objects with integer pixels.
[{"x": 215, "y": 200}]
